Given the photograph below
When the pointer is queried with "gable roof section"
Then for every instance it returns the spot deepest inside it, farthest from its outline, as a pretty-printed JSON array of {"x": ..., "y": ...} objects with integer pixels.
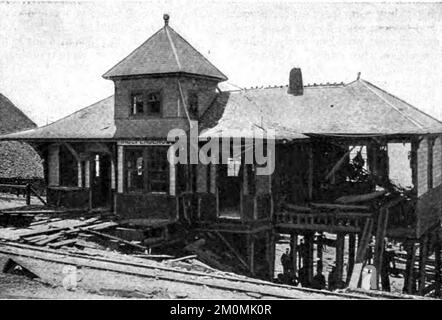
[
  {"x": 358, "y": 108},
  {"x": 164, "y": 53},
  {"x": 93, "y": 122}
]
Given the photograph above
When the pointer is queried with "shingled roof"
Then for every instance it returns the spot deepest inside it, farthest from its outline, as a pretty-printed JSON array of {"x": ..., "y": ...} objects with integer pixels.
[
  {"x": 93, "y": 122},
  {"x": 166, "y": 52},
  {"x": 17, "y": 159},
  {"x": 357, "y": 108}
]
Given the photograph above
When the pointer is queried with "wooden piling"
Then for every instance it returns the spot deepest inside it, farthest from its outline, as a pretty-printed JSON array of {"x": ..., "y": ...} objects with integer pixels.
[
  {"x": 409, "y": 279},
  {"x": 351, "y": 255},
  {"x": 438, "y": 262},
  {"x": 422, "y": 262},
  {"x": 294, "y": 251},
  {"x": 340, "y": 243}
]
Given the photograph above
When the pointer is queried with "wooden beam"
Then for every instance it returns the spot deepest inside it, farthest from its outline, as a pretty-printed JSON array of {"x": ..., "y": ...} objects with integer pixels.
[
  {"x": 319, "y": 254},
  {"x": 231, "y": 248},
  {"x": 422, "y": 262},
  {"x": 438, "y": 262},
  {"x": 351, "y": 255},
  {"x": 309, "y": 252},
  {"x": 338, "y": 164},
  {"x": 294, "y": 248},
  {"x": 340, "y": 243},
  {"x": 310, "y": 172},
  {"x": 364, "y": 242},
  {"x": 72, "y": 151},
  {"x": 381, "y": 232},
  {"x": 409, "y": 279}
]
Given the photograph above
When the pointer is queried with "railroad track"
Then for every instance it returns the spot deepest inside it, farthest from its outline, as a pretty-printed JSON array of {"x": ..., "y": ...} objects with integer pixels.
[{"x": 216, "y": 281}]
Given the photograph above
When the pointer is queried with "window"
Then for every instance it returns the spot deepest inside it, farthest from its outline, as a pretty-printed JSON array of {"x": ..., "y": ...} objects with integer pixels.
[
  {"x": 153, "y": 103},
  {"x": 233, "y": 166},
  {"x": 158, "y": 169},
  {"x": 192, "y": 100},
  {"x": 97, "y": 166},
  {"x": 137, "y": 103},
  {"x": 147, "y": 169},
  {"x": 134, "y": 170}
]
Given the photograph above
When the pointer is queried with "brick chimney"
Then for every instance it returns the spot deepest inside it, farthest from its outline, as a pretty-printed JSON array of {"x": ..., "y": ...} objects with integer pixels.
[{"x": 296, "y": 87}]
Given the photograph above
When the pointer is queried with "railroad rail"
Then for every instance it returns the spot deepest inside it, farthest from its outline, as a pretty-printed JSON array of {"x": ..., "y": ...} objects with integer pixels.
[{"x": 216, "y": 281}]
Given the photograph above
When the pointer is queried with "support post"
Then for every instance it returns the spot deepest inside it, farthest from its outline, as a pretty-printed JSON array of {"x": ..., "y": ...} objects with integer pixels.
[
  {"x": 272, "y": 254},
  {"x": 120, "y": 164},
  {"x": 340, "y": 243},
  {"x": 409, "y": 280},
  {"x": 293, "y": 250},
  {"x": 438, "y": 262},
  {"x": 28, "y": 194},
  {"x": 422, "y": 262},
  {"x": 310, "y": 172},
  {"x": 251, "y": 254},
  {"x": 319, "y": 245},
  {"x": 351, "y": 255},
  {"x": 379, "y": 245},
  {"x": 309, "y": 254}
]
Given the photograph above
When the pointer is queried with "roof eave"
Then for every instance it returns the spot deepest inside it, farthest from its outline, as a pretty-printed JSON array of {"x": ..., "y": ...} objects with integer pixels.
[{"x": 165, "y": 74}]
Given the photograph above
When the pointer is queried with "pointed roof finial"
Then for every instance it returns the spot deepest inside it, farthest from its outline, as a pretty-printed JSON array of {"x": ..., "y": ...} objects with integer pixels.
[
  {"x": 359, "y": 75},
  {"x": 166, "y": 19}
]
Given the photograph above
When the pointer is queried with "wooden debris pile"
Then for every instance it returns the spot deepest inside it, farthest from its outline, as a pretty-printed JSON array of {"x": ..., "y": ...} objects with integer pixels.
[{"x": 56, "y": 232}]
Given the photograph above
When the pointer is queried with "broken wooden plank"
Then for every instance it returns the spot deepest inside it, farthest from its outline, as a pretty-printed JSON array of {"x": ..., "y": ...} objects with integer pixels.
[
  {"x": 49, "y": 239},
  {"x": 236, "y": 253},
  {"x": 338, "y": 164},
  {"x": 183, "y": 258},
  {"x": 62, "y": 243},
  {"x": 108, "y": 236},
  {"x": 360, "y": 197},
  {"x": 334, "y": 206},
  {"x": 290, "y": 206}
]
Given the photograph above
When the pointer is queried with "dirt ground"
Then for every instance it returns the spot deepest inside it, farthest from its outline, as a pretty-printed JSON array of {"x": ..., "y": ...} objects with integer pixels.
[
  {"x": 97, "y": 284},
  {"x": 8, "y": 201}
]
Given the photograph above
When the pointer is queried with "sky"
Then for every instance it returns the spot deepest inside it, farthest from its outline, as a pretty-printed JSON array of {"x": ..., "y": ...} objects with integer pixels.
[{"x": 53, "y": 54}]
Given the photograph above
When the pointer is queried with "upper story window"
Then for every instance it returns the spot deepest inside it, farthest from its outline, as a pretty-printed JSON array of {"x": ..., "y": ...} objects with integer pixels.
[
  {"x": 153, "y": 103},
  {"x": 146, "y": 103},
  {"x": 137, "y": 103},
  {"x": 192, "y": 100}
]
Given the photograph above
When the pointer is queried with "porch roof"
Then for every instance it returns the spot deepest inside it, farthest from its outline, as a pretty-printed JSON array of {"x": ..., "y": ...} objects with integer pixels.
[{"x": 93, "y": 122}]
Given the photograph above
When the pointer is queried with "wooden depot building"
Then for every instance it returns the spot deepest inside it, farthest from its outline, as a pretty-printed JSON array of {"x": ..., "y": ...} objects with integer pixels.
[{"x": 332, "y": 168}]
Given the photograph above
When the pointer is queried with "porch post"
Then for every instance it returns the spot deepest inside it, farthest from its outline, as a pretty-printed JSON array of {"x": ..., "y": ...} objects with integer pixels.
[
  {"x": 87, "y": 174},
  {"x": 80, "y": 174},
  {"x": 54, "y": 165},
  {"x": 120, "y": 160}
]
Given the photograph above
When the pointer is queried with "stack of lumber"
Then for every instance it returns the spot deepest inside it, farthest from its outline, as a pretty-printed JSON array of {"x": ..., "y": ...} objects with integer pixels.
[{"x": 57, "y": 232}]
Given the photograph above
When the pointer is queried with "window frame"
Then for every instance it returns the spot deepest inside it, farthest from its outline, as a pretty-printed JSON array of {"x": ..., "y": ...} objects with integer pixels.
[
  {"x": 193, "y": 113},
  {"x": 146, "y": 113},
  {"x": 147, "y": 170}
]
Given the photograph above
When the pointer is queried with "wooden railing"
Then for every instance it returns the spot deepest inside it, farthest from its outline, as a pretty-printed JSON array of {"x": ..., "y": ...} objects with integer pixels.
[
  {"x": 323, "y": 221},
  {"x": 26, "y": 189}
]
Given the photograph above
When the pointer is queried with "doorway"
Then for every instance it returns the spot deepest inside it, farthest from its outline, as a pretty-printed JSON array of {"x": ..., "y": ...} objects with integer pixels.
[
  {"x": 101, "y": 180},
  {"x": 229, "y": 189}
]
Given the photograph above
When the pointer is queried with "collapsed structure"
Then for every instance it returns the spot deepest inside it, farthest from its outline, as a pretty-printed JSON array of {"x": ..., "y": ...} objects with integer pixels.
[{"x": 332, "y": 165}]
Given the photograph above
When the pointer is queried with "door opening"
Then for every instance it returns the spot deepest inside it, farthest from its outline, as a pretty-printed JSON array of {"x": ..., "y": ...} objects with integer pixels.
[{"x": 101, "y": 181}]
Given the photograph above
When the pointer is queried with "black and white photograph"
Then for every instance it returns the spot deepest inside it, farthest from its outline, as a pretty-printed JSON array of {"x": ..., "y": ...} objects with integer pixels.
[{"x": 229, "y": 151}]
